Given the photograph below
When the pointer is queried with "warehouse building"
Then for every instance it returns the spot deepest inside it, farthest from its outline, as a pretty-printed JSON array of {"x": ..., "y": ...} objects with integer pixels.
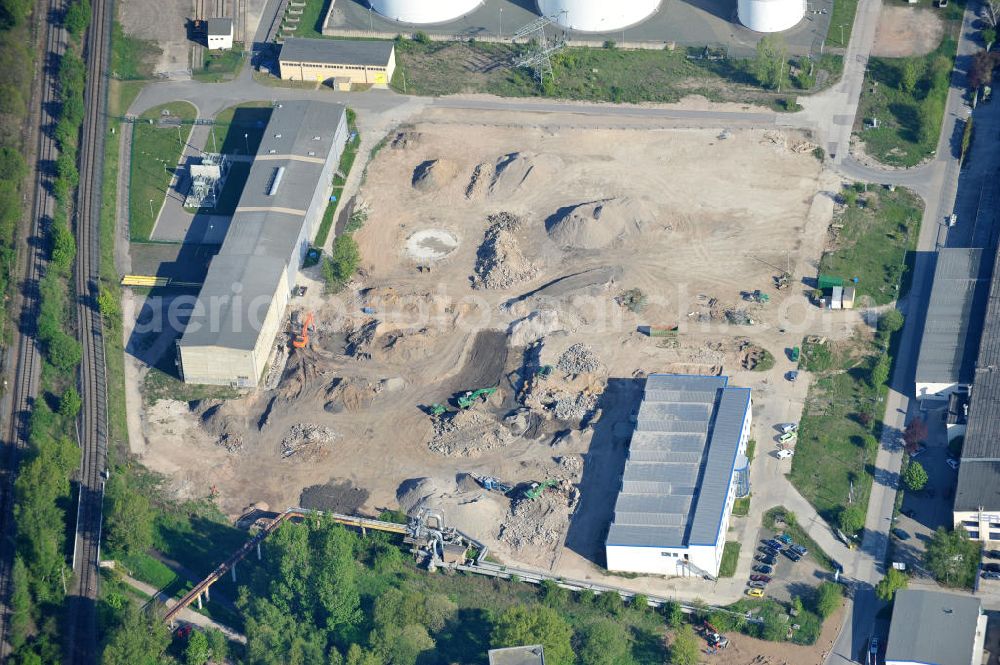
[
  {"x": 220, "y": 33},
  {"x": 977, "y": 497},
  {"x": 680, "y": 478},
  {"x": 947, "y": 356},
  {"x": 935, "y": 628},
  {"x": 320, "y": 60},
  {"x": 241, "y": 305}
]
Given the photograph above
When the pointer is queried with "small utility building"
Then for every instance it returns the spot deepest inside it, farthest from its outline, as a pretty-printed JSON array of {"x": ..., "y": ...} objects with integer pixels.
[
  {"x": 680, "y": 477},
  {"x": 531, "y": 655},
  {"x": 220, "y": 33},
  {"x": 935, "y": 628},
  {"x": 319, "y": 60},
  {"x": 238, "y": 314},
  {"x": 947, "y": 357}
]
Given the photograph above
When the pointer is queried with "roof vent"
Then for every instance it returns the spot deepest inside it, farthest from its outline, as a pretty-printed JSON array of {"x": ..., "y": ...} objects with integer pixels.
[
  {"x": 947, "y": 610},
  {"x": 317, "y": 138},
  {"x": 272, "y": 151},
  {"x": 312, "y": 153},
  {"x": 277, "y": 136},
  {"x": 275, "y": 181}
]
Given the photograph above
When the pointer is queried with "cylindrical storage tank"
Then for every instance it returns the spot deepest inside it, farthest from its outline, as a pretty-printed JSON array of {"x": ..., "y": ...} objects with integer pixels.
[
  {"x": 597, "y": 15},
  {"x": 771, "y": 15},
  {"x": 424, "y": 11}
]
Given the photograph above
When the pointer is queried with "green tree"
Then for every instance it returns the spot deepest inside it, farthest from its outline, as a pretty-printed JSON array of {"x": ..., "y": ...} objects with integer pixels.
[
  {"x": 20, "y": 604},
  {"x": 519, "y": 625},
  {"x": 852, "y": 519},
  {"x": 880, "y": 372},
  {"x": 893, "y": 581},
  {"x": 611, "y": 603},
  {"x": 769, "y": 64},
  {"x": 140, "y": 639},
  {"x": 989, "y": 37},
  {"x": 64, "y": 351},
  {"x": 908, "y": 75},
  {"x": 602, "y": 643},
  {"x": 336, "y": 577},
  {"x": 438, "y": 610},
  {"x": 107, "y": 304},
  {"x": 129, "y": 520},
  {"x": 77, "y": 17},
  {"x": 952, "y": 558},
  {"x": 12, "y": 165},
  {"x": 915, "y": 477},
  {"x": 685, "y": 649},
  {"x": 828, "y": 598},
  {"x": 343, "y": 262},
  {"x": 70, "y": 403},
  {"x": 672, "y": 613},
  {"x": 639, "y": 602},
  {"x": 358, "y": 656},
  {"x": 218, "y": 645},
  {"x": 196, "y": 652},
  {"x": 891, "y": 321},
  {"x": 553, "y": 595}
]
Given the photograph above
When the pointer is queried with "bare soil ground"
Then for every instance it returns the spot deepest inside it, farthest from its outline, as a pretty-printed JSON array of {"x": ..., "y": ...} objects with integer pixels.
[
  {"x": 906, "y": 31},
  {"x": 551, "y": 226},
  {"x": 745, "y": 650},
  {"x": 165, "y": 24}
]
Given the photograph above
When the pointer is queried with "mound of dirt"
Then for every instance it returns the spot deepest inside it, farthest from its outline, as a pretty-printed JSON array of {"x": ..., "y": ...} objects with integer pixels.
[
  {"x": 578, "y": 359},
  {"x": 342, "y": 497},
  {"x": 533, "y": 327},
  {"x": 535, "y": 524},
  {"x": 468, "y": 433},
  {"x": 500, "y": 264},
  {"x": 597, "y": 224},
  {"x": 432, "y": 175},
  {"x": 414, "y": 492}
]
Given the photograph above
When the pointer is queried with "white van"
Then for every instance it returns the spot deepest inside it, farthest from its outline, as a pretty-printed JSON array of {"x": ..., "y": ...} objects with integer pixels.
[{"x": 785, "y": 454}]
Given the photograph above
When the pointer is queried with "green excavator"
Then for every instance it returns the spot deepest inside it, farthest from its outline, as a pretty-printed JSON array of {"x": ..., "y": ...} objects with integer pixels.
[
  {"x": 469, "y": 398},
  {"x": 535, "y": 489}
]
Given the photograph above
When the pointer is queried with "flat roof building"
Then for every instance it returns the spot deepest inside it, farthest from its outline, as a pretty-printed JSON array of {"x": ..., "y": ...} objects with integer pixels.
[
  {"x": 319, "y": 60},
  {"x": 220, "y": 33},
  {"x": 531, "y": 655},
  {"x": 680, "y": 478},
  {"x": 947, "y": 357},
  {"x": 977, "y": 496},
  {"x": 935, "y": 628},
  {"x": 241, "y": 305}
]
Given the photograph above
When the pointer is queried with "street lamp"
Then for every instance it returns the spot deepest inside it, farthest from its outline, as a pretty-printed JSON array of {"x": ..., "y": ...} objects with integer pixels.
[
  {"x": 371, "y": 25},
  {"x": 246, "y": 141},
  {"x": 150, "y": 208},
  {"x": 501, "y": 23}
]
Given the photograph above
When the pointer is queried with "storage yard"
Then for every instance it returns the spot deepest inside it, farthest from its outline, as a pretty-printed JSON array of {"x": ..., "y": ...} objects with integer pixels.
[{"x": 530, "y": 261}]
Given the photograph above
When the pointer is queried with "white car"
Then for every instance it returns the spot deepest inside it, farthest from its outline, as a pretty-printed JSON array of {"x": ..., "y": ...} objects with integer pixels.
[
  {"x": 785, "y": 428},
  {"x": 785, "y": 454}
]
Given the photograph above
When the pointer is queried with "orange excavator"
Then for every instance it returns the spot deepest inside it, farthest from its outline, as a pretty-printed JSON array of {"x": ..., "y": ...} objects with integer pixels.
[{"x": 301, "y": 340}]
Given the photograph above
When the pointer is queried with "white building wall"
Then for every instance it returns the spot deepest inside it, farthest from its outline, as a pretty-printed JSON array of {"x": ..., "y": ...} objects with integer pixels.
[
  {"x": 424, "y": 11},
  {"x": 597, "y": 15},
  {"x": 982, "y": 526},
  {"x": 220, "y": 42},
  {"x": 927, "y": 390}
]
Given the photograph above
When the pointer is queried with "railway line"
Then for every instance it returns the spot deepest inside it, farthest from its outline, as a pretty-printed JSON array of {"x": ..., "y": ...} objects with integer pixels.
[
  {"x": 81, "y": 632},
  {"x": 33, "y": 260}
]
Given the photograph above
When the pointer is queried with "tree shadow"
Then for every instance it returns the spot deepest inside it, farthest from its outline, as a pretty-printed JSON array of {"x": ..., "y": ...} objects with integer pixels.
[{"x": 465, "y": 637}]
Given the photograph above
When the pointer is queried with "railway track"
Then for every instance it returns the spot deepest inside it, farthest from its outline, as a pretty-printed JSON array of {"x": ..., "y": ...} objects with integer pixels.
[
  {"x": 81, "y": 633},
  {"x": 34, "y": 261}
]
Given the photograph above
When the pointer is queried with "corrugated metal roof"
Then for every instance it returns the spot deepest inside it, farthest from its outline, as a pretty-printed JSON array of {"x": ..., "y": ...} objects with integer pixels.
[
  {"x": 978, "y": 486},
  {"x": 933, "y": 627},
  {"x": 954, "y": 317},
  {"x": 336, "y": 51},
  {"x": 677, "y": 478},
  {"x": 265, "y": 229},
  {"x": 220, "y": 26}
]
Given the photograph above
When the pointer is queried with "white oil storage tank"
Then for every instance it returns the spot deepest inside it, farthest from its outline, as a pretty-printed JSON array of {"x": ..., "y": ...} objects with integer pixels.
[
  {"x": 771, "y": 15},
  {"x": 597, "y": 15},
  {"x": 424, "y": 11}
]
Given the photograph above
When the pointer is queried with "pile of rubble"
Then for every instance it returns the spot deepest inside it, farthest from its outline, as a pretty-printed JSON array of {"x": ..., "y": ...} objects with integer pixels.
[
  {"x": 535, "y": 523},
  {"x": 499, "y": 261},
  {"x": 233, "y": 443},
  {"x": 302, "y": 436},
  {"x": 468, "y": 433},
  {"x": 578, "y": 359},
  {"x": 573, "y": 407}
]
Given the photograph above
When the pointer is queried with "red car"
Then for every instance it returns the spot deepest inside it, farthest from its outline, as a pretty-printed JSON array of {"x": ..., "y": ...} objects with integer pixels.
[{"x": 760, "y": 578}]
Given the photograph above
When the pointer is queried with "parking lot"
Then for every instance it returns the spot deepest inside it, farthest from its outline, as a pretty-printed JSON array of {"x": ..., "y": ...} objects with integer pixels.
[
  {"x": 924, "y": 511},
  {"x": 788, "y": 578}
]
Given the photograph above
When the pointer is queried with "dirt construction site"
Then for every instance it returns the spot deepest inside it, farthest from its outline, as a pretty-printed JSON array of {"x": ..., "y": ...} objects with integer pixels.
[{"x": 556, "y": 266}]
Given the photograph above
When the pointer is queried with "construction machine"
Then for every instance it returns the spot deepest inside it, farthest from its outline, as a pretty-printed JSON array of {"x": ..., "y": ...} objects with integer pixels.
[
  {"x": 437, "y": 409},
  {"x": 492, "y": 484},
  {"x": 535, "y": 489},
  {"x": 469, "y": 398},
  {"x": 301, "y": 339}
]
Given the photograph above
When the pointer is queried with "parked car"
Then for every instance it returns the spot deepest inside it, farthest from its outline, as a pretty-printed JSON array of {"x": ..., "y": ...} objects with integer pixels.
[
  {"x": 785, "y": 454},
  {"x": 760, "y": 578},
  {"x": 785, "y": 538},
  {"x": 993, "y": 554},
  {"x": 953, "y": 463},
  {"x": 763, "y": 569},
  {"x": 987, "y": 575},
  {"x": 952, "y": 219},
  {"x": 755, "y": 593},
  {"x": 774, "y": 544},
  {"x": 792, "y": 376},
  {"x": 798, "y": 549},
  {"x": 794, "y": 556},
  {"x": 991, "y": 567},
  {"x": 785, "y": 428},
  {"x": 756, "y": 585},
  {"x": 899, "y": 533},
  {"x": 768, "y": 551},
  {"x": 765, "y": 558}
]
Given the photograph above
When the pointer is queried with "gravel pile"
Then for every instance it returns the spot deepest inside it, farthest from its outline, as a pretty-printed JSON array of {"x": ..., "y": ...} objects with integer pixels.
[
  {"x": 303, "y": 435},
  {"x": 233, "y": 443},
  {"x": 499, "y": 261},
  {"x": 538, "y": 523},
  {"x": 468, "y": 434},
  {"x": 574, "y": 407},
  {"x": 578, "y": 359}
]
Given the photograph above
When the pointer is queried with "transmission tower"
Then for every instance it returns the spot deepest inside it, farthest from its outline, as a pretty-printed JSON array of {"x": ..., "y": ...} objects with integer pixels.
[{"x": 539, "y": 54}]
